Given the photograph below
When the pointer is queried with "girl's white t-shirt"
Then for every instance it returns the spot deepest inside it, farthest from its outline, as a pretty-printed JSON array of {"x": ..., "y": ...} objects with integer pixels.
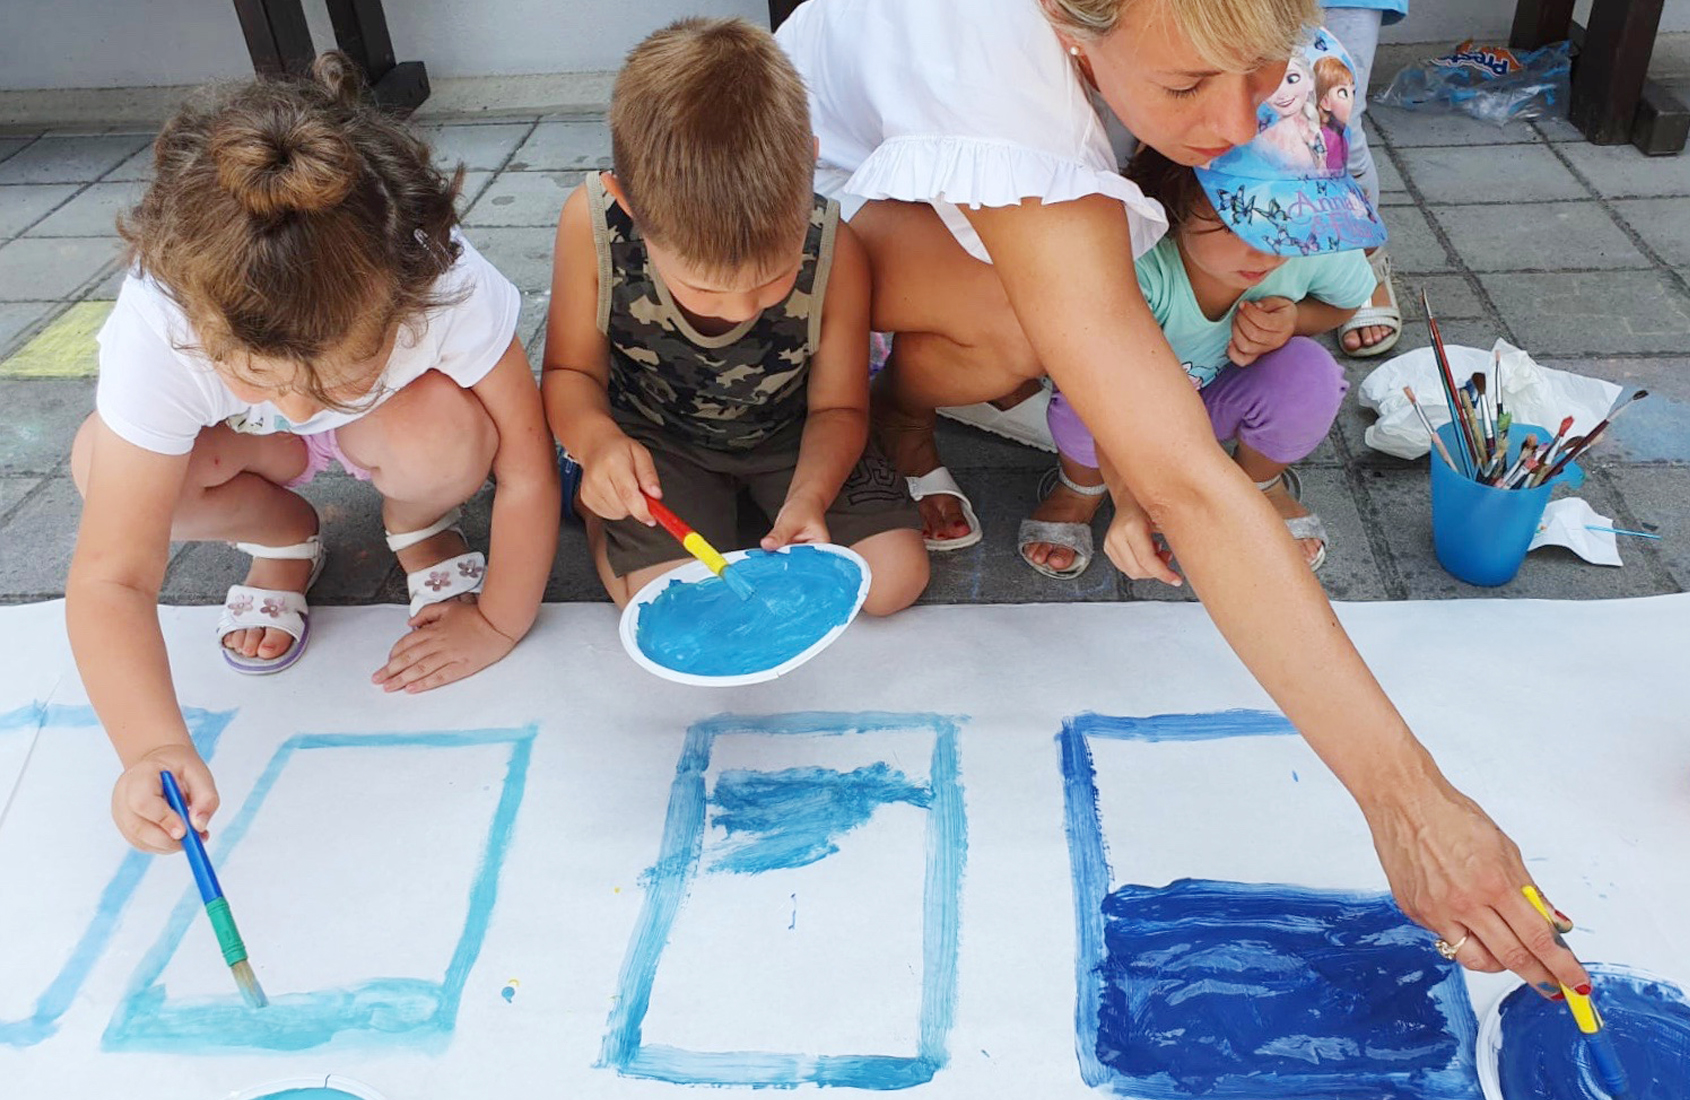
[
  {"x": 158, "y": 393},
  {"x": 954, "y": 103}
]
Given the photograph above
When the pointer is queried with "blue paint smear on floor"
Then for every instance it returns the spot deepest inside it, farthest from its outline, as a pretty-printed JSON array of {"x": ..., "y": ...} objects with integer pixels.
[
  {"x": 791, "y": 818},
  {"x": 1244, "y": 989},
  {"x": 625, "y": 1049},
  {"x": 704, "y": 629},
  {"x": 1544, "y": 1058},
  {"x": 1341, "y": 970}
]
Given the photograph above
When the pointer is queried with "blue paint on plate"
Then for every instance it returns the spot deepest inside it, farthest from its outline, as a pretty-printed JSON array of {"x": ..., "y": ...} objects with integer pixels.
[{"x": 1545, "y": 1058}]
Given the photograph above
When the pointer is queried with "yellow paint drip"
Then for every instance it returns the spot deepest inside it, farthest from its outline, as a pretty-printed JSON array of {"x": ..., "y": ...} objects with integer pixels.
[{"x": 64, "y": 349}]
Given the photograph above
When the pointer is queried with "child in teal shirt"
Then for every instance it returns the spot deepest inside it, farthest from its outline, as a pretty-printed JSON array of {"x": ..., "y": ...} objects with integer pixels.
[{"x": 1237, "y": 294}]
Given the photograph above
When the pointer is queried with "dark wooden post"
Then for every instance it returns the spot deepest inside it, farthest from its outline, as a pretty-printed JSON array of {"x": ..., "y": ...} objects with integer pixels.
[
  {"x": 276, "y": 37},
  {"x": 1614, "y": 63},
  {"x": 279, "y": 41}
]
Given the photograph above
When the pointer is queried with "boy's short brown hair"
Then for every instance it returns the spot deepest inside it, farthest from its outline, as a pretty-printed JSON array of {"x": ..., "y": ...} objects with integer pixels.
[{"x": 710, "y": 132}]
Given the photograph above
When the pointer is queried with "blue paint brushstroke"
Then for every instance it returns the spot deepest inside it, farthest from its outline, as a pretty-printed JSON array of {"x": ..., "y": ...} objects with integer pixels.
[
  {"x": 791, "y": 818},
  {"x": 380, "y": 1012},
  {"x": 624, "y": 1048},
  {"x": 1090, "y": 871},
  {"x": 205, "y": 728},
  {"x": 704, "y": 629},
  {"x": 322, "y": 1093},
  {"x": 1543, "y": 1056},
  {"x": 1252, "y": 990}
]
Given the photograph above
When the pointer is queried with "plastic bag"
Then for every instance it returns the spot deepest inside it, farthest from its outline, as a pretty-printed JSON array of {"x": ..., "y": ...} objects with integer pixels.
[{"x": 1491, "y": 83}]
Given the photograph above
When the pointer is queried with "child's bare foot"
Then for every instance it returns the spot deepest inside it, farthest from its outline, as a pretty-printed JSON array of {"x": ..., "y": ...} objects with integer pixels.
[
  {"x": 283, "y": 576},
  {"x": 1289, "y": 507},
  {"x": 1063, "y": 505}
]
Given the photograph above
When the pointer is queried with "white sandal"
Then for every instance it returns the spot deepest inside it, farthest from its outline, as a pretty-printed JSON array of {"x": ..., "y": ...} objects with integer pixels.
[
  {"x": 1301, "y": 527},
  {"x": 1024, "y": 422},
  {"x": 442, "y": 581},
  {"x": 1390, "y": 315},
  {"x": 940, "y": 483},
  {"x": 249, "y": 608},
  {"x": 1069, "y": 536}
]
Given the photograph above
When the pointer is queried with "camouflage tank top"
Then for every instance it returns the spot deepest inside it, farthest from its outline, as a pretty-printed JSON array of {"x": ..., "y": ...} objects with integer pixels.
[{"x": 728, "y": 392}]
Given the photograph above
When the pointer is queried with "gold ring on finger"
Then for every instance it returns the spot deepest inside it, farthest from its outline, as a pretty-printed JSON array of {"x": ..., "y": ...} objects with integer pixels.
[{"x": 1450, "y": 950}]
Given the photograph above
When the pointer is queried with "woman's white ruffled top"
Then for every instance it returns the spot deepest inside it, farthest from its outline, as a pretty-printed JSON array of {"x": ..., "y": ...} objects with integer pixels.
[{"x": 955, "y": 103}]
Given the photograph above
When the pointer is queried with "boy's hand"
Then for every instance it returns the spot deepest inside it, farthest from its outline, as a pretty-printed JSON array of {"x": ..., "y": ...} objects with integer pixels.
[
  {"x": 137, "y": 801},
  {"x": 448, "y": 641},
  {"x": 801, "y": 520},
  {"x": 1131, "y": 544},
  {"x": 1260, "y": 326},
  {"x": 614, "y": 475}
]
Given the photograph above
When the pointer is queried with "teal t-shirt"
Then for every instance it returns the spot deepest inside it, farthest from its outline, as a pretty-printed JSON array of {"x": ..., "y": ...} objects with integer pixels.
[{"x": 1341, "y": 279}]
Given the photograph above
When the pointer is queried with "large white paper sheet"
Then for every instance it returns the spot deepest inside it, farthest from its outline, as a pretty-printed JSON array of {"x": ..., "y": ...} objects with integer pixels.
[{"x": 568, "y": 878}]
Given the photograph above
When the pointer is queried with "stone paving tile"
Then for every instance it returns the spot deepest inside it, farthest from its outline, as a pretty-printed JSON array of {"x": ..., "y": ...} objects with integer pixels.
[
  {"x": 1390, "y": 180},
  {"x": 1547, "y": 236},
  {"x": 474, "y": 184},
  {"x": 39, "y": 539},
  {"x": 1452, "y": 298},
  {"x": 1412, "y": 244},
  {"x": 66, "y": 348},
  {"x": 1401, "y": 502},
  {"x": 1664, "y": 225},
  {"x": 70, "y": 159},
  {"x": 524, "y": 199},
  {"x": 482, "y": 147},
  {"x": 37, "y": 269},
  {"x": 964, "y": 447},
  {"x": 1621, "y": 171},
  {"x": 560, "y": 146},
  {"x": 1405, "y": 129},
  {"x": 531, "y": 323},
  {"x": 137, "y": 167},
  {"x": 13, "y": 489},
  {"x": 1599, "y": 313},
  {"x": 1656, "y": 429},
  {"x": 992, "y": 571},
  {"x": 24, "y": 204},
  {"x": 17, "y": 318},
  {"x": 11, "y": 145},
  {"x": 1557, "y": 129},
  {"x": 40, "y": 421},
  {"x": 93, "y": 213},
  {"x": 523, "y": 255},
  {"x": 1654, "y": 497},
  {"x": 1512, "y": 173}
]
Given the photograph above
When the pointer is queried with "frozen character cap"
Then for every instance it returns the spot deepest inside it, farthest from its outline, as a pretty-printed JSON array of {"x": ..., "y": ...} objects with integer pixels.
[{"x": 1289, "y": 192}]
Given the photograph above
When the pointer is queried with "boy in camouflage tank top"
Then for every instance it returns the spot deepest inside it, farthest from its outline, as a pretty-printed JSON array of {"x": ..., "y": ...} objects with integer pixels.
[{"x": 709, "y": 324}]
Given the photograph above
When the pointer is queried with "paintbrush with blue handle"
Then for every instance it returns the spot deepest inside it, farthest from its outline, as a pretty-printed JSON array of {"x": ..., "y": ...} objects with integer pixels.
[
  {"x": 211, "y": 892},
  {"x": 1602, "y": 1053}
]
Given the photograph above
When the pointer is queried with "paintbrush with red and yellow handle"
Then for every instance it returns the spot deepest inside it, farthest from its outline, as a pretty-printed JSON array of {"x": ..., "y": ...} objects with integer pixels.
[{"x": 695, "y": 545}]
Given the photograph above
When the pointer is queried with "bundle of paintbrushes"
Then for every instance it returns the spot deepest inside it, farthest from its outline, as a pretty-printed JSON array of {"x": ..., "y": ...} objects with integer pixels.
[{"x": 1483, "y": 426}]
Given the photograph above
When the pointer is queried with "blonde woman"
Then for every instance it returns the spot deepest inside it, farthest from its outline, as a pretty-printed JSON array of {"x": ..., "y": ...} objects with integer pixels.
[{"x": 964, "y": 141}]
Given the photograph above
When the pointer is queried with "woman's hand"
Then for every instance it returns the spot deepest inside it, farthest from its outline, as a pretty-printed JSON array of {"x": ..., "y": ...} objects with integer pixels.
[
  {"x": 1455, "y": 872},
  {"x": 1259, "y": 326},
  {"x": 448, "y": 641},
  {"x": 1131, "y": 544},
  {"x": 137, "y": 801}
]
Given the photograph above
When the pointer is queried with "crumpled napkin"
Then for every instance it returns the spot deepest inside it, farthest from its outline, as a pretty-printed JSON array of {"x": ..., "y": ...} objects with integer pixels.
[
  {"x": 1532, "y": 394},
  {"x": 1564, "y": 524}
]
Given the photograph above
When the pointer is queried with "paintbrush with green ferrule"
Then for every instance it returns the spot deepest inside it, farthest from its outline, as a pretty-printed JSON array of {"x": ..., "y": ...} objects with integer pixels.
[{"x": 211, "y": 892}]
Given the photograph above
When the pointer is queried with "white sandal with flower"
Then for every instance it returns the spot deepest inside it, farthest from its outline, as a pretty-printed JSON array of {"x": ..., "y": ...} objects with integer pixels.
[
  {"x": 1301, "y": 527},
  {"x": 249, "y": 608},
  {"x": 442, "y": 581}
]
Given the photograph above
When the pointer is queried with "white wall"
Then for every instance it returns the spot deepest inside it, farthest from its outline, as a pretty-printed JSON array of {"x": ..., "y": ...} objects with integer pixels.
[{"x": 127, "y": 43}]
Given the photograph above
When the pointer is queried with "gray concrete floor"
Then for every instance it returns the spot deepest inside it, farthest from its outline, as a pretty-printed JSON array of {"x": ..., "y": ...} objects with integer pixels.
[{"x": 1578, "y": 254}]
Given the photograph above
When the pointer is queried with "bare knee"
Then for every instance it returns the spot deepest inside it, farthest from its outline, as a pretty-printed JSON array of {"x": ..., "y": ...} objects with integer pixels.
[
  {"x": 431, "y": 440},
  {"x": 898, "y": 560}
]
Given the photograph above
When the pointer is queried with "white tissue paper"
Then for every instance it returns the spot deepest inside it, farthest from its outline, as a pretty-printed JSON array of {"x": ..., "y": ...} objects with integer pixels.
[
  {"x": 1532, "y": 394},
  {"x": 1566, "y": 522}
]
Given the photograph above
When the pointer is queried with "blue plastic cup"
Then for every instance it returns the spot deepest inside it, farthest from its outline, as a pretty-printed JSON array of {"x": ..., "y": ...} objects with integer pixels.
[{"x": 1480, "y": 533}]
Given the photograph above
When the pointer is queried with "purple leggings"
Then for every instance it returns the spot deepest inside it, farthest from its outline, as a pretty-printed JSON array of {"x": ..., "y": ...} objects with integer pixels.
[{"x": 1282, "y": 405}]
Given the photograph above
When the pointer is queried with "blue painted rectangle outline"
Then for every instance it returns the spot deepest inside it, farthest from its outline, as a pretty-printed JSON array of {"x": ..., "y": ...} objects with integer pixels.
[
  {"x": 205, "y": 728},
  {"x": 1088, "y": 859},
  {"x": 683, "y": 843},
  {"x": 410, "y": 1012}
]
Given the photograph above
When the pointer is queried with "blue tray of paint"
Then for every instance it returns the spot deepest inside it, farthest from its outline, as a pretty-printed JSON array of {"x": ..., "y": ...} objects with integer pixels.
[{"x": 688, "y": 626}]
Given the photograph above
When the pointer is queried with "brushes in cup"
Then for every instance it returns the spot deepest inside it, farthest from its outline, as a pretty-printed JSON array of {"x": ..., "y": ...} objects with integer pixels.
[{"x": 211, "y": 892}]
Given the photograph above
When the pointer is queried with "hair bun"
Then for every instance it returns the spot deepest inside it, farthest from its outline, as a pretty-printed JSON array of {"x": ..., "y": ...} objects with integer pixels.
[{"x": 284, "y": 163}]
